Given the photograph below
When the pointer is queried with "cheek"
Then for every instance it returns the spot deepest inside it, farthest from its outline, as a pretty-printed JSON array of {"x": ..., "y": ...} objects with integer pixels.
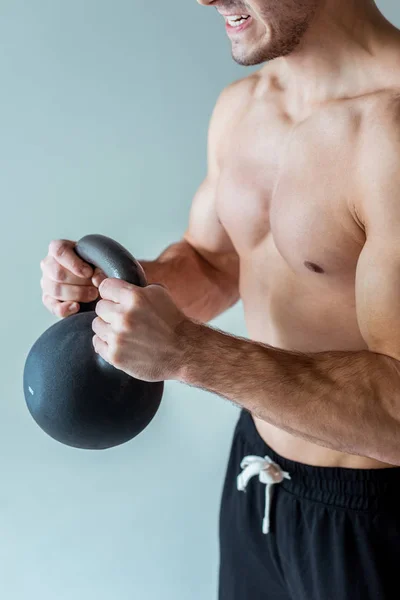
[
  {"x": 264, "y": 16},
  {"x": 262, "y": 27}
]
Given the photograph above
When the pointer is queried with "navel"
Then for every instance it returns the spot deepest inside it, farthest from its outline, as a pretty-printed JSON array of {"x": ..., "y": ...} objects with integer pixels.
[{"x": 313, "y": 267}]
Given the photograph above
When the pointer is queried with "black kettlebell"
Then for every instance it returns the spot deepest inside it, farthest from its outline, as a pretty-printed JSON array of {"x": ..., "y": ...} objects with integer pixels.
[{"x": 73, "y": 394}]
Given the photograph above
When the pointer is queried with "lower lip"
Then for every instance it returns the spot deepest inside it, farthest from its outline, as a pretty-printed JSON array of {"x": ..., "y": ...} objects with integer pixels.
[{"x": 239, "y": 28}]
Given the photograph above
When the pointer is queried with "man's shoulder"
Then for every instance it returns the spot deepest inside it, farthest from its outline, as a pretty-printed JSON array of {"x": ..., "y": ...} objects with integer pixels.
[
  {"x": 378, "y": 166},
  {"x": 230, "y": 106},
  {"x": 239, "y": 91},
  {"x": 379, "y": 132}
]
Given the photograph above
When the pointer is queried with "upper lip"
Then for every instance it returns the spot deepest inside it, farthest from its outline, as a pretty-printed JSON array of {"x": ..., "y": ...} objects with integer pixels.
[{"x": 230, "y": 14}]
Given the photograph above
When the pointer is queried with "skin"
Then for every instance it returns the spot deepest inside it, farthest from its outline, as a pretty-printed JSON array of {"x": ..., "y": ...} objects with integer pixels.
[{"x": 299, "y": 217}]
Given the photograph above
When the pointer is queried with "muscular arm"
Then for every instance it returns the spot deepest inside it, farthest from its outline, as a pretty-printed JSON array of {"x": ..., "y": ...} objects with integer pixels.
[
  {"x": 347, "y": 401},
  {"x": 200, "y": 289},
  {"x": 202, "y": 270}
]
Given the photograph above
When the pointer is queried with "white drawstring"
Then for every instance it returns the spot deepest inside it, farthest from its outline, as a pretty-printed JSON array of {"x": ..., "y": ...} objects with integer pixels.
[{"x": 268, "y": 472}]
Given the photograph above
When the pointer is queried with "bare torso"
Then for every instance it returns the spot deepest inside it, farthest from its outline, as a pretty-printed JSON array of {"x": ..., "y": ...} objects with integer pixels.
[{"x": 287, "y": 201}]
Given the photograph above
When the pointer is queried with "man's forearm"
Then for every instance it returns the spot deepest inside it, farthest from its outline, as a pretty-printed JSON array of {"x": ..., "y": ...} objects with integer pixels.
[
  {"x": 347, "y": 401},
  {"x": 197, "y": 288}
]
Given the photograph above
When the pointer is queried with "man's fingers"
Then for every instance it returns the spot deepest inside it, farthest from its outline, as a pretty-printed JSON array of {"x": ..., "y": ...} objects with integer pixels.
[
  {"x": 63, "y": 252},
  {"x": 52, "y": 269},
  {"x": 60, "y": 309},
  {"x": 74, "y": 293}
]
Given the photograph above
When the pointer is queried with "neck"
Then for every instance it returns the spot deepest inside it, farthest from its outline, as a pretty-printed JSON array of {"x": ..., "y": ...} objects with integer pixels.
[{"x": 337, "y": 55}]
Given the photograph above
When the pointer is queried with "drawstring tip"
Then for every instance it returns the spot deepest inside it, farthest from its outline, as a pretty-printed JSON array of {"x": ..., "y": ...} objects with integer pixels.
[
  {"x": 241, "y": 486},
  {"x": 265, "y": 527}
]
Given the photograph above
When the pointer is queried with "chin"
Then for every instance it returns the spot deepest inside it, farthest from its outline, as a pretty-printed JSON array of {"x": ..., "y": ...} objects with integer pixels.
[
  {"x": 247, "y": 57},
  {"x": 247, "y": 60},
  {"x": 251, "y": 58}
]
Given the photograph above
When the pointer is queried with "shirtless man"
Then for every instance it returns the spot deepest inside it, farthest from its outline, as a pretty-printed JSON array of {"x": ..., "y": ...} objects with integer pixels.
[{"x": 299, "y": 216}]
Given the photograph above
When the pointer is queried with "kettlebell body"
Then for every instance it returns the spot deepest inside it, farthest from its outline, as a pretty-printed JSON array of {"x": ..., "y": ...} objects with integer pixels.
[{"x": 73, "y": 394}]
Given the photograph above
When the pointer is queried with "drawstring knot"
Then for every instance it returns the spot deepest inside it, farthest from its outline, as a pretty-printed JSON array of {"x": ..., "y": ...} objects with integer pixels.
[{"x": 268, "y": 473}]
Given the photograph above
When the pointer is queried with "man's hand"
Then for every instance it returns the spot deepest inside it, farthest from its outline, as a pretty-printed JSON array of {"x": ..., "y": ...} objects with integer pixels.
[{"x": 136, "y": 330}]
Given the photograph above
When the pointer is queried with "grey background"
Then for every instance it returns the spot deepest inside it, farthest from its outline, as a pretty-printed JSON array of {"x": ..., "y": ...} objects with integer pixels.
[{"x": 104, "y": 109}]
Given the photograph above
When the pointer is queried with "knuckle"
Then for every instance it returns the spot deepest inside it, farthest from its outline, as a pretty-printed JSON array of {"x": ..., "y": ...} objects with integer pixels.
[
  {"x": 57, "y": 290},
  {"x": 113, "y": 341},
  {"x": 89, "y": 295},
  {"x": 113, "y": 352},
  {"x": 121, "y": 323},
  {"x": 46, "y": 286},
  {"x": 45, "y": 263},
  {"x": 81, "y": 296},
  {"x": 116, "y": 358},
  {"x": 58, "y": 248},
  {"x": 78, "y": 265},
  {"x": 58, "y": 272},
  {"x": 136, "y": 300}
]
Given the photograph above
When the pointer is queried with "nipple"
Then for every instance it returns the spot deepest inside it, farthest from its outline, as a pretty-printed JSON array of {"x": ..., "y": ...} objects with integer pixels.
[{"x": 313, "y": 267}]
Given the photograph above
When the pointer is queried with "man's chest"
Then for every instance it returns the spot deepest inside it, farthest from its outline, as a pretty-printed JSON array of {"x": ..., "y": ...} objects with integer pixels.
[{"x": 296, "y": 185}]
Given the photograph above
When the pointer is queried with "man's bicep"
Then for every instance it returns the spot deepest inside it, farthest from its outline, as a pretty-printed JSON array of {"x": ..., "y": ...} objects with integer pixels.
[
  {"x": 206, "y": 234},
  {"x": 378, "y": 297}
]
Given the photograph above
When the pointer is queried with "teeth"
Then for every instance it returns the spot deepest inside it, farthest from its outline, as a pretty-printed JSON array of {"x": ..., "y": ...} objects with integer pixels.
[{"x": 237, "y": 20}]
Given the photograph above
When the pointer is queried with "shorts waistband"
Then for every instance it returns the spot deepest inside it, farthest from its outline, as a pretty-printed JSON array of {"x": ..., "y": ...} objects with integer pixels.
[{"x": 359, "y": 489}]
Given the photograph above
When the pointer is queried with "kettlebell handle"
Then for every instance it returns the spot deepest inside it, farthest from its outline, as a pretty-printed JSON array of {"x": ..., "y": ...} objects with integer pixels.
[{"x": 111, "y": 258}]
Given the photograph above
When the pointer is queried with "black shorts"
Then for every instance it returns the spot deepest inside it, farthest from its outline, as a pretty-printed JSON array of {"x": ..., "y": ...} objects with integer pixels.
[{"x": 334, "y": 533}]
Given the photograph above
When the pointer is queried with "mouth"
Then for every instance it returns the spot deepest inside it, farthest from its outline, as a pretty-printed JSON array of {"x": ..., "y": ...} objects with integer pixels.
[{"x": 237, "y": 23}]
